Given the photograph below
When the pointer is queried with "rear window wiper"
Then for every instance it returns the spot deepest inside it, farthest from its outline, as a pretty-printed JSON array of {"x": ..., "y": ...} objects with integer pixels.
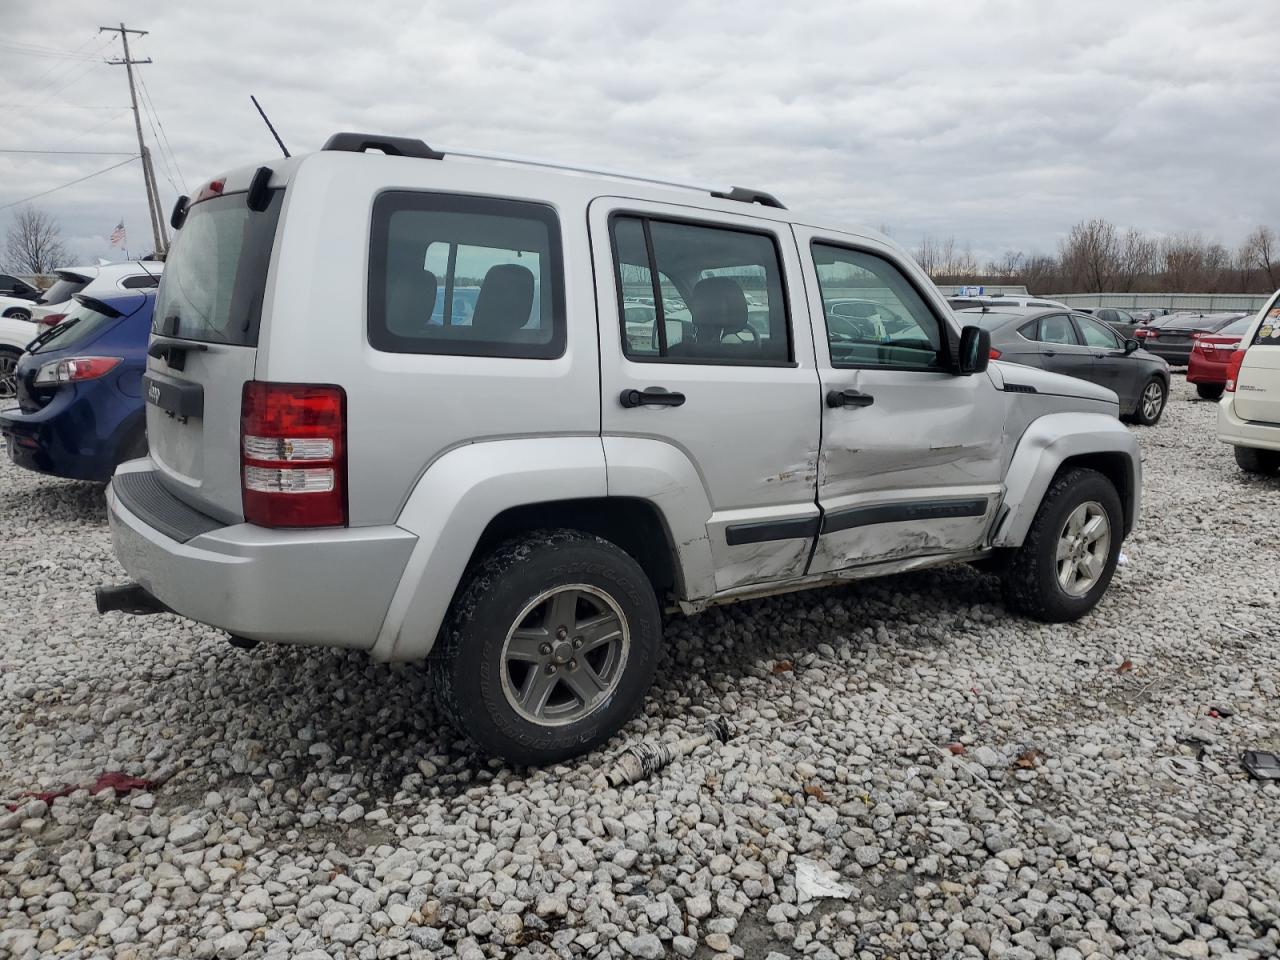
[{"x": 51, "y": 334}]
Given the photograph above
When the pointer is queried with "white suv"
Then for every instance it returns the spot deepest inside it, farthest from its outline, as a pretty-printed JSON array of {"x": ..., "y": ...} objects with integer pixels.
[
  {"x": 644, "y": 408},
  {"x": 1249, "y": 412}
]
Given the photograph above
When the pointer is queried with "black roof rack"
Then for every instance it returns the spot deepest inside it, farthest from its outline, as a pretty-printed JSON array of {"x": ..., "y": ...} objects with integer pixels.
[
  {"x": 747, "y": 195},
  {"x": 392, "y": 146},
  {"x": 408, "y": 147}
]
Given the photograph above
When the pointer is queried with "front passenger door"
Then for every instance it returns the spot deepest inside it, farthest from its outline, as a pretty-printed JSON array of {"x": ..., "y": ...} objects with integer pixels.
[
  {"x": 910, "y": 462},
  {"x": 1112, "y": 367}
]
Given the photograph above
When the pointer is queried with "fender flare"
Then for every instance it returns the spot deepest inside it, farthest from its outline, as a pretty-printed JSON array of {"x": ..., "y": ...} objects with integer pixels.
[
  {"x": 449, "y": 508},
  {"x": 1048, "y": 443}
]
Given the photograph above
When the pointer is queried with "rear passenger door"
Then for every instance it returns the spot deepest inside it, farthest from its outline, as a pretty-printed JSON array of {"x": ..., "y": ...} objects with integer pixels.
[
  {"x": 706, "y": 366},
  {"x": 1060, "y": 348},
  {"x": 911, "y": 451}
]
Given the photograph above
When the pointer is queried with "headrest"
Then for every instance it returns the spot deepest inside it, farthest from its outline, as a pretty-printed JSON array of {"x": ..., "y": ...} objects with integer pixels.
[
  {"x": 718, "y": 305},
  {"x": 505, "y": 300}
]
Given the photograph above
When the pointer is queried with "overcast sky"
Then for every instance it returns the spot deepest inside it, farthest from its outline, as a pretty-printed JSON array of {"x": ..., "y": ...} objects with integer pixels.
[{"x": 999, "y": 122}]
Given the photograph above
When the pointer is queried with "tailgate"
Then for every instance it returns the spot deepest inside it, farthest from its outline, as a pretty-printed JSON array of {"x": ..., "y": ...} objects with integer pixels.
[
  {"x": 204, "y": 348},
  {"x": 1258, "y": 382}
]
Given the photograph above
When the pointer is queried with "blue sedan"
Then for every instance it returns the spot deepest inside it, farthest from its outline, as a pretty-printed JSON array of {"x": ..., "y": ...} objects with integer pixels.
[{"x": 80, "y": 408}]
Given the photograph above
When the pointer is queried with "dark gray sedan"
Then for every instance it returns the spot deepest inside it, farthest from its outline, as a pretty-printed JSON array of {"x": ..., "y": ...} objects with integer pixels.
[
  {"x": 1172, "y": 337},
  {"x": 1079, "y": 346}
]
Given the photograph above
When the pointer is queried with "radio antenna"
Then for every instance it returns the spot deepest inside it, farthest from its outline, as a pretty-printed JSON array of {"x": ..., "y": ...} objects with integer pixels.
[{"x": 263, "y": 113}]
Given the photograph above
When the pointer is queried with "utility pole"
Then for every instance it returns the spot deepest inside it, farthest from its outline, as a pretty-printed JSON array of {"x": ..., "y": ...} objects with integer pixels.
[{"x": 148, "y": 171}]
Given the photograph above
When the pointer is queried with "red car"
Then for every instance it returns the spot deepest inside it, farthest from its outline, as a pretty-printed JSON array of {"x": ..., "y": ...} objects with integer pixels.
[{"x": 1210, "y": 355}]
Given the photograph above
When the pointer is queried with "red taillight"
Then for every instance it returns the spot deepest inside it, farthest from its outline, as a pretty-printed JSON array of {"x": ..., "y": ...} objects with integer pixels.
[
  {"x": 1146, "y": 334},
  {"x": 1233, "y": 369},
  {"x": 51, "y": 319},
  {"x": 995, "y": 354},
  {"x": 293, "y": 454},
  {"x": 75, "y": 369}
]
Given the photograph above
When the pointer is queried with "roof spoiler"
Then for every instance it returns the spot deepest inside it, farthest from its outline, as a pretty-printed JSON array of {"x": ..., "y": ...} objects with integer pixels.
[{"x": 392, "y": 146}]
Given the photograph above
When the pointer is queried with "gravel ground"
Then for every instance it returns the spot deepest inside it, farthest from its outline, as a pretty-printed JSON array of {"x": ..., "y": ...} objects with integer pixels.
[{"x": 312, "y": 804}]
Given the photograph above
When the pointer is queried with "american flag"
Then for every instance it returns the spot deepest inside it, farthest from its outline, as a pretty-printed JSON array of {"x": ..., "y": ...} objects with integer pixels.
[{"x": 117, "y": 235}]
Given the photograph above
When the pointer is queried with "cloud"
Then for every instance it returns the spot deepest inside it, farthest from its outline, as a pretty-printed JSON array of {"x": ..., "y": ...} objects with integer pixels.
[{"x": 999, "y": 122}]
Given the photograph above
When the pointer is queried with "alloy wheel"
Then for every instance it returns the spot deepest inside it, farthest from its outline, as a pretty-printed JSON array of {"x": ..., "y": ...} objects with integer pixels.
[
  {"x": 1152, "y": 400},
  {"x": 565, "y": 654},
  {"x": 1083, "y": 548},
  {"x": 8, "y": 377}
]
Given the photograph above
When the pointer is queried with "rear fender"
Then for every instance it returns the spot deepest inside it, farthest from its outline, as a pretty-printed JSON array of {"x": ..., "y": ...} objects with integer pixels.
[
  {"x": 450, "y": 507},
  {"x": 1092, "y": 439}
]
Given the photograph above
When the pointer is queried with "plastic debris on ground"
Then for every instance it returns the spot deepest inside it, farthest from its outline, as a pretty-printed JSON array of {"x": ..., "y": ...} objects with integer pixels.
[{"x": 817, "y": 881}]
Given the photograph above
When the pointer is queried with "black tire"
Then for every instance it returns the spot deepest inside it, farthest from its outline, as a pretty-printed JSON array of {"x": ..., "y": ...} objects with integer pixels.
[
  {"x": 1030, "y": 582},
  {"x": 1210, "y": 391},
  {"x": 18, "y": 313},
  {"x": 1253, "y": 460},
  {"x": 1142, "y": 415},
  {"x": 8, "y": 377},
  {"x": 472, "y": 680}
]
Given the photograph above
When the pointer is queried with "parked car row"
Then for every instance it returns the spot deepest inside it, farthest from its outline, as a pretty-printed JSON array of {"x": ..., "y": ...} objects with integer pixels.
[
  {"x": 1077, "y": 345},
  {"x": 99, "y": 280}
]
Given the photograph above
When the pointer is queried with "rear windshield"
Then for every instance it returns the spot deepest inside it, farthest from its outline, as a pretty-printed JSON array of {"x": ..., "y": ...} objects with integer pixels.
[
  {"x": 1268, "y": 334},
  {"x": 63, "y": 289},
  {"x": 1237, "y": 328},
  {"x": 83, "y": 325},
  {"x": 216, "y": 272}
]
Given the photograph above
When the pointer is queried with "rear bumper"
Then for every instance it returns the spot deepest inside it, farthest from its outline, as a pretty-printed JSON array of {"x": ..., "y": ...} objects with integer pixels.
[
  {"x": 1202, "y": 370},
  {"x": 329, "y": 587},
  {"x": 1178, "y": 354},
  {"x": 78, "y": 434},
  {"x": 1245, "y": 433}
]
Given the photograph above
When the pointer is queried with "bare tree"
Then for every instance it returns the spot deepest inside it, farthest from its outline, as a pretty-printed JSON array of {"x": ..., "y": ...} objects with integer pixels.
[
  {"x": 34, "y": 242},
  {"x": 1090, "y": 255},
  {"x": 1261, "y": 252}
]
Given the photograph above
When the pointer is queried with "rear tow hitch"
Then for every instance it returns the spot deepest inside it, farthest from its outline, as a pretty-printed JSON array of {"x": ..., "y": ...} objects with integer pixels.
[{"x": 127, "y": 598}]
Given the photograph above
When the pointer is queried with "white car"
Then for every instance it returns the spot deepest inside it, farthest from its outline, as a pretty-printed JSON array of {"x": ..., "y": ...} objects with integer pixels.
[
  {"x": 14, "y": 336},
  {"x": 94, "y": 281},
  {"x": 16, "y": 308},
  {"x": 1249, "y": 412},
  {"x": 1000, "y": 300}
]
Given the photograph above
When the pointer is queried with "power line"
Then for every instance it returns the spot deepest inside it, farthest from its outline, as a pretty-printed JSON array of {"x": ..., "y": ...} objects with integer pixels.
[
  {"x": 87, "y": 153},
  {"x": 93, "y": 38},
  {"x": 45, "y": 193},
  {"x": 162, "y": 135}
]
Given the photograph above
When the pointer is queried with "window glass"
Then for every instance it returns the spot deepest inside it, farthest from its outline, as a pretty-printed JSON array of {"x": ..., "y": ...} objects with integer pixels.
[
  {"x": 62, "y": 290},
  {"x": 1056, "y": 328},
  {"x": 465, "y": 275},
  {"x": 874, "y": 316},
  {"x": 719, "y": 296},
  {"x": 140, "y": 283},
  {"x": 216, "y": 272},
  {"x": 1097, "y": 335}
]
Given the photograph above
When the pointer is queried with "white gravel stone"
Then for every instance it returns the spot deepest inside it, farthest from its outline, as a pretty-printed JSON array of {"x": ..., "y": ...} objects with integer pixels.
[{"x": 315, "y": 805}]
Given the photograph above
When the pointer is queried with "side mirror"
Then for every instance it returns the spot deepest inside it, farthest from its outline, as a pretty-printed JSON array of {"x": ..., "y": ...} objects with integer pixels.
[
  {"x": 1130, "y": 345},
  {"x": 975, "y": 350}
]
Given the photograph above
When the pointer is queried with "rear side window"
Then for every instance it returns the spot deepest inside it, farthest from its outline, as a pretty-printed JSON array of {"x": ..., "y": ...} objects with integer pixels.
[
  {"x": 63, "y": 289},
  {"x": 471, "y": 276},
  {"x": 216, "y": 272},
  {"x": 719, "y": 296},
  {"x": 1268, "y": 334},
  {"x": 140, "y": 283}
]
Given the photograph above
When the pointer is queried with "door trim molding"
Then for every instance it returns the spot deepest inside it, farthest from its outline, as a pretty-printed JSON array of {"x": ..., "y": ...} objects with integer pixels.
[
  {"x": 801, "y": 528},
  {"x": 905, "y": 510}
]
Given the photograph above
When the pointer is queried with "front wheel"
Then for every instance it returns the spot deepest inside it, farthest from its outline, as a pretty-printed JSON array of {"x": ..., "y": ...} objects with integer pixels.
[
  {"x": 1151, "y": 402},
  {"x": 1210, "y": 391},
  {"x": 1066, "y": 562},
  {"x": 549, "y": 647},
  {"x": 1253, "y": 460},
  {"x": 18, "y": 313}
]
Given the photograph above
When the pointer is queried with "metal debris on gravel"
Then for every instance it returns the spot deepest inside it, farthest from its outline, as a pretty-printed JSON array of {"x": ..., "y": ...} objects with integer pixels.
[{"x": 311, "y": 804}]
